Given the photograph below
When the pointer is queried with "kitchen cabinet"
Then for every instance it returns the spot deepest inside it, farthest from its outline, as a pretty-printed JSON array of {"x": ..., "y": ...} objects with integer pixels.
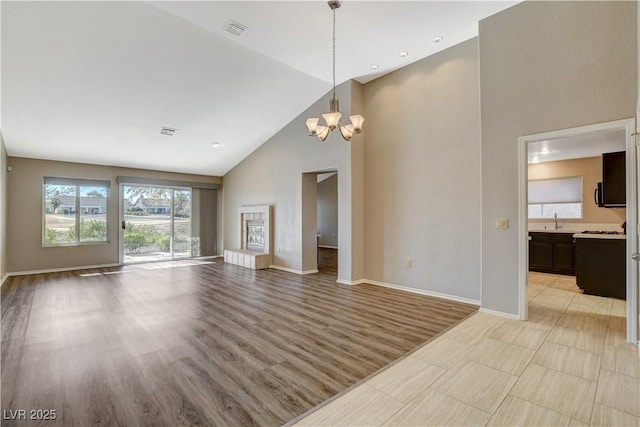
[
  {"x": 552, "y": 253},
  {"x": 600, "y": 268},
  {"x": 614, "y": 190}
]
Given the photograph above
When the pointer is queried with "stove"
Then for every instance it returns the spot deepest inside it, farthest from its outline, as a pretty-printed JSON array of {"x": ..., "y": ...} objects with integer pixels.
[{"x": 602, "y": 232}]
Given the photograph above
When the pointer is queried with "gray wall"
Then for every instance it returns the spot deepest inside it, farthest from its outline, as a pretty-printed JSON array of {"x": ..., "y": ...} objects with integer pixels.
[
  {"x": 422, "y": 174},
  {"x": 543, "y": 66},
  {"x": 3, "y": 210},
  {"x": 328, "y": 211},
  {"x": 273, "y": 175},
  {"x": 24, "y": 237}
]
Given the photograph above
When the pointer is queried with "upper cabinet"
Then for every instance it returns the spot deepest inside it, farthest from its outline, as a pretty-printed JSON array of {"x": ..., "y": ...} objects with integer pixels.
[{"x": 614, "y": 189}]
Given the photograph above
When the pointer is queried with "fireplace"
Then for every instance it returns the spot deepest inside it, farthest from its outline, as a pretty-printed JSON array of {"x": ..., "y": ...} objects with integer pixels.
[{"x": 254, "y": 238}]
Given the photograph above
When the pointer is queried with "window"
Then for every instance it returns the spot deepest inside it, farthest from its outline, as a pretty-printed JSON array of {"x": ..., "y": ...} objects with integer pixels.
[
  {"x": 75, "y": 211},
  {"x": 561, "y": 196}
]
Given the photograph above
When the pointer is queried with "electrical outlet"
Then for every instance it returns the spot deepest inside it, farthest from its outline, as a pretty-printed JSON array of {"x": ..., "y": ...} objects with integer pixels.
[{"x": 408, "y": 263}]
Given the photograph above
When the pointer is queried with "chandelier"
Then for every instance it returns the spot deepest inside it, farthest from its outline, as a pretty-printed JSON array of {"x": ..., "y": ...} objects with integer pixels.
[{"x": 332, "y": 118}]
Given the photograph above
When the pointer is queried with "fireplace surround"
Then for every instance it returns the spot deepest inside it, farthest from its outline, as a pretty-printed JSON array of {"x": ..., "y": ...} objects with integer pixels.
[{"x": 254, "y": 236}]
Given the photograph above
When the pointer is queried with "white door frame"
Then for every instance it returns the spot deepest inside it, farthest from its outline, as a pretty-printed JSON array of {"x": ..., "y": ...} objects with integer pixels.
[{"x": 632, "y": 202}]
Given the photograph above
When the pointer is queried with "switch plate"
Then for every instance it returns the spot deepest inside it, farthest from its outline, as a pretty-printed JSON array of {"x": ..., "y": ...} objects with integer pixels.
[
  {"x": 502, "y": 223},
  {"x": 408, "y": 263}
]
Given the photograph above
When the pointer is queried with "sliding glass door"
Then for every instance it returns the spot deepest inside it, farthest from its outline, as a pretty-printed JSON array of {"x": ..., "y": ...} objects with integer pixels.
[
  {"x": 181, "y": 223},
  {"x": 156, "y": 223}
]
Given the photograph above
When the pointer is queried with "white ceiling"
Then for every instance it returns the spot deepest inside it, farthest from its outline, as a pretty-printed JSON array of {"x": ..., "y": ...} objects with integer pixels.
[
  {"x": 93, "y": 82},
  {"x": 591, "y": 144}
]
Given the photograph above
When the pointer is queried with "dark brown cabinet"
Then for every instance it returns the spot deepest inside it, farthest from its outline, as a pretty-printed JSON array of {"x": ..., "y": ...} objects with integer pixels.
[
  {"x": 601, "y": 267},
  {"x": 614, "y": 189},
  {"x": 552, "y": 253}
]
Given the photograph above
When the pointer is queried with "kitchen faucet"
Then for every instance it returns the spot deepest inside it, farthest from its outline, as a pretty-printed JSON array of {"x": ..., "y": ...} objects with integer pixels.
[{"x": 555, "y": 220}]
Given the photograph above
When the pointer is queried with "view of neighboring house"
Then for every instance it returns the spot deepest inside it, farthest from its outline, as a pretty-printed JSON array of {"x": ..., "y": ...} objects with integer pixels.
[
  {"x": 150, "y": 206},
  {"x": 91, "y": 205}
]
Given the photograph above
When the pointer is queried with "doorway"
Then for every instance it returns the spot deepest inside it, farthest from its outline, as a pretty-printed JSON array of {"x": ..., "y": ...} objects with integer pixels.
[
  {"x": 327, "y": 223},
  {"x": 320, "y": 222},
  {"x": 526, "y": 146},
  {"x": 155, "y": 223}
]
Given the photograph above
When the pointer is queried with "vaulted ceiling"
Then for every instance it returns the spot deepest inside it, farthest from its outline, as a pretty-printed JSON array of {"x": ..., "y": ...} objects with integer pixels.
[{"x": 94, "y": 82}]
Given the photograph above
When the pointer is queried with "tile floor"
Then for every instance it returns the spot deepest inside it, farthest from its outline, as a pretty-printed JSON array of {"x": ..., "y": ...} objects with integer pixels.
[{"x": 568, "y": 365}]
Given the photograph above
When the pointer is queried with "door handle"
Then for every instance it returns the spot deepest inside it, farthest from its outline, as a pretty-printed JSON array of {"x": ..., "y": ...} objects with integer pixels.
[
  {"x": 124, "y": 225},
  {"x": 636, "y": 256}
]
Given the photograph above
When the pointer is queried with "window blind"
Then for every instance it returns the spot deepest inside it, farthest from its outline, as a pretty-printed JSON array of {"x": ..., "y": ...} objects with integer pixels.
[
  {"x": 50, "y": 180},
  {"x": 557, "y": 190}
]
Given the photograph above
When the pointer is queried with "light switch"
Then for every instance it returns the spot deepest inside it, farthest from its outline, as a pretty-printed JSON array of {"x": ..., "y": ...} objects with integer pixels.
[{"x": 502, "y": 223}]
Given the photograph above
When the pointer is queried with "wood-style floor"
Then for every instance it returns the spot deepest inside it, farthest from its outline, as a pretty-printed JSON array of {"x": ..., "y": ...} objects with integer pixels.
[
  {"x": 199, "y": 343},
  {"x": 328, "y": 261}
]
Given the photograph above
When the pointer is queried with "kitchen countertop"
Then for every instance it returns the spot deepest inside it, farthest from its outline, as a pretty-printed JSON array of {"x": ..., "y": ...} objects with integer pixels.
[
  {"x": 600, "y": 236},
  {"x": 559, "y": 230}
]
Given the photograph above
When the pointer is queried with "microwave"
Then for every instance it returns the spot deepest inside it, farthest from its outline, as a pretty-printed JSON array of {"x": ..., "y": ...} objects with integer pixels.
[{"x": 597, "y": 196}]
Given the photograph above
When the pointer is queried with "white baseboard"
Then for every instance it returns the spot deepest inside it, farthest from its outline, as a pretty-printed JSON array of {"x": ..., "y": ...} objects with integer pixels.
[
  {"x": 327, "y": 247},
  {"x": 206, "y": 257},
  {"x": 351, "y": 282},
  {"x": 56, "y": 270},
  {"x": 424, "y": 292},
  {"x": 291, "y": 270},
  {"x": 3, "y": 278},
  {"x": 499, "y": 313}
]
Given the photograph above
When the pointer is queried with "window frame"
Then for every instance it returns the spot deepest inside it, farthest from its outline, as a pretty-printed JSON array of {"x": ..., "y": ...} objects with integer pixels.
[
  {"x": 77, "y": 183},
  {"x": 542, "y": 204}
]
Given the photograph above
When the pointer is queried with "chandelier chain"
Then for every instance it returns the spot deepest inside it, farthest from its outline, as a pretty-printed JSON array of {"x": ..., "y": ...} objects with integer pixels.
[{"x": 334, "y": 53}]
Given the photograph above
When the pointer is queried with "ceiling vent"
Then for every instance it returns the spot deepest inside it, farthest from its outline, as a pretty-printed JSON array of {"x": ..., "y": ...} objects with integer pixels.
[
  {"x": 235, "y": 28},
  {"x": 167, "y": 131}
]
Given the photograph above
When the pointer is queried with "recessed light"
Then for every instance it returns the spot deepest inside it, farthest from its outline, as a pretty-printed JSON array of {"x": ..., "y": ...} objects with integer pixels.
[
  {"x": 216, "y": 144},
  {"x": 374, "y": 67},
  {"x": 535, "y": 159},
  {"x": 437, "y": 39},
  {"x": 403, "y": 54}
]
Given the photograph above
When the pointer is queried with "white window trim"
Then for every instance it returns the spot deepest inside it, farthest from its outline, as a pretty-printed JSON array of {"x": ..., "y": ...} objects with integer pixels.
[{"x": 77, "y": 183}]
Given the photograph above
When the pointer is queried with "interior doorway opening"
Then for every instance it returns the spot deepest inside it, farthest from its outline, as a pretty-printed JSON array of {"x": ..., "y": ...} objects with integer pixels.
[
  {"x": 544, "y": 225},
  {"x": 320, "y": 222},
  {"x": 328, "y": 223}
]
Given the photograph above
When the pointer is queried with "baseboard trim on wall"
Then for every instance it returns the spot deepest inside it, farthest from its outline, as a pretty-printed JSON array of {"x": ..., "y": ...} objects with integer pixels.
[
  {"x": 327, "y": 247},
  {"x": 499, "y": 313},
  {"x": 424, "y": 292},
  {"x": 351, "y": 282},
  {"x": 206, "y": 257},
  {"x": 291, "y": 270},
  {"x": 57, "y": 270}
]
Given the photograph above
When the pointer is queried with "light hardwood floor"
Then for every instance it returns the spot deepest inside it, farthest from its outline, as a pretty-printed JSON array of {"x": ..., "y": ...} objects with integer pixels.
[
  {"x": 199, "y": 343},
  {"x": 568, "y": 365}
]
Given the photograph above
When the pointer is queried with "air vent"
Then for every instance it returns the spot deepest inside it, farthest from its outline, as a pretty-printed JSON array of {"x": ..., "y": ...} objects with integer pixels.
[
  {"x": 235, "y": 28},
  {"x": 167, "y": 131}
]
